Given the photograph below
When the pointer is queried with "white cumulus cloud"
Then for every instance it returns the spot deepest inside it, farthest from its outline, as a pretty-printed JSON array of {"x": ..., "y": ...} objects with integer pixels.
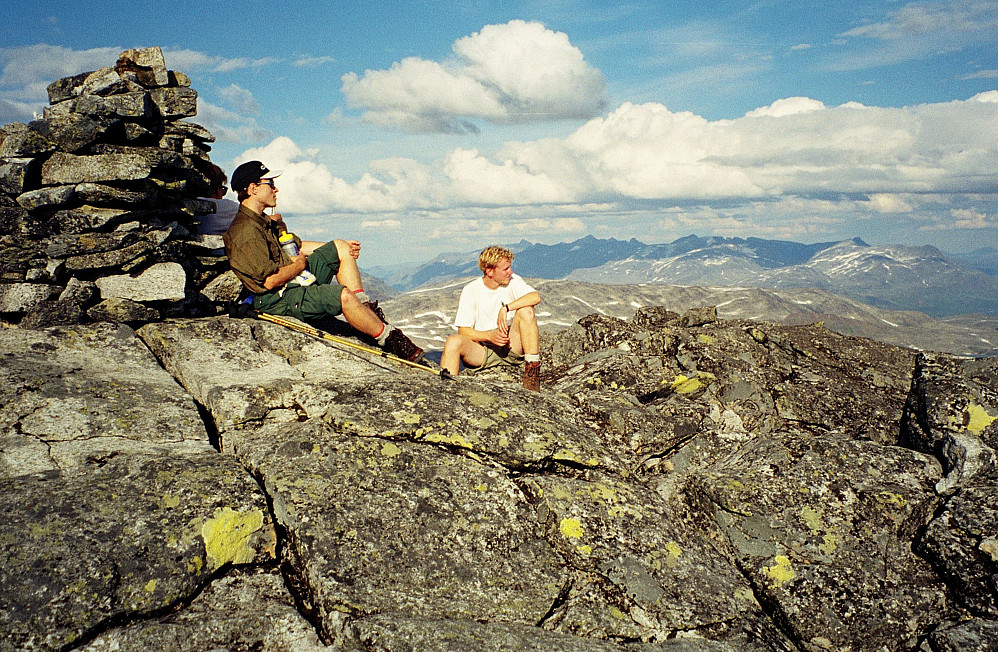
[{"x": 516, "y": 72}]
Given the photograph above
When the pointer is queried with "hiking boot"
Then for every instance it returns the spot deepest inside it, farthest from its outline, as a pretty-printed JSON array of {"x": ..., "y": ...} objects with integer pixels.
[
  {"x": 402, "y": 347},
  {"x": 373, "y": 305},
  {"x": 532, "y": 376}
]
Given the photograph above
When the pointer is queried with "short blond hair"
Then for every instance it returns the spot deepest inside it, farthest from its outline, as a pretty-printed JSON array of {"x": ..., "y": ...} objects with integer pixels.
[{"x": 492, "y": 256}]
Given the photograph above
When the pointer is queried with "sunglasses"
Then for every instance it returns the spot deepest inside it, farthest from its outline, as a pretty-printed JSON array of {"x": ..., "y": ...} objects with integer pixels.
[{"x": 266, "y": 182}]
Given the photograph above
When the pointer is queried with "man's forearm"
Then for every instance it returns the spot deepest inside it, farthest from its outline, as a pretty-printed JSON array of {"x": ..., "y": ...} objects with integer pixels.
[
  {"x": 474, "y": 334},
  {"x": 528, "y": 300},
  {"x": 283, "y": 275}
]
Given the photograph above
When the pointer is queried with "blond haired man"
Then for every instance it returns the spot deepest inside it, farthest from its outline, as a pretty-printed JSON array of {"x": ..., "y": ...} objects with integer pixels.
[{"x": 495, "y": 321}]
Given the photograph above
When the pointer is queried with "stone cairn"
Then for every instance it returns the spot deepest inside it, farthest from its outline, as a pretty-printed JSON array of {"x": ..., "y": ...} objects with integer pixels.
[{"x": 99, "y": 202}]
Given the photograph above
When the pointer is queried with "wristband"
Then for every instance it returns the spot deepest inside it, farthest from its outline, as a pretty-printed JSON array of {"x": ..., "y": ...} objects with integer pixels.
[{"x": 506, "y": 306}]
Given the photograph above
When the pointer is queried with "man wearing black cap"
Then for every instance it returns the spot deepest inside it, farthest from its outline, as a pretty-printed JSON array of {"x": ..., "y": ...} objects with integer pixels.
[{"x": 275, "y": 279}]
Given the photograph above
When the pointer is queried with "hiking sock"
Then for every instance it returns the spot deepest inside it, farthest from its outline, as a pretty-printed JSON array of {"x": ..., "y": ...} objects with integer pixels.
[
  {"x": 383, "y": 335},
  {"x": 531, "y": 357},
  {"x": 362, "y": 296}
]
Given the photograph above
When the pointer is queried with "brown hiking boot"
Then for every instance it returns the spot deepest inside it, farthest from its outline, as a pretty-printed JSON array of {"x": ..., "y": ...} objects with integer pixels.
[
  {"x": 532, "y": 376},
  {"x": 373, "y": 305},
  {"x": 402, "y": 347}
]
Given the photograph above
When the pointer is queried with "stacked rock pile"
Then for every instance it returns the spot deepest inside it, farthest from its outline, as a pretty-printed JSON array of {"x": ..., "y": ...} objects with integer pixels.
[{"x": 98, "y": 201}]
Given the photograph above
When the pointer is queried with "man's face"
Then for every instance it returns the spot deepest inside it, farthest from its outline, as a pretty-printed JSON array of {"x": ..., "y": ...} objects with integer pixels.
[
  {"x": 502, "y": 272},
  {"x": 265, "y": 191}
]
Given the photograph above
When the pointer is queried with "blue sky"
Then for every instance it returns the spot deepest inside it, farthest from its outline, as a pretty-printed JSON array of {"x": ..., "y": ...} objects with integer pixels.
[{"x": 425, "y": 127}]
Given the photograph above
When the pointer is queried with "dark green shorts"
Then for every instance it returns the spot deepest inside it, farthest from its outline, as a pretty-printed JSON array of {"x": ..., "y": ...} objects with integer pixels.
[{"x": 321, "y": 299}]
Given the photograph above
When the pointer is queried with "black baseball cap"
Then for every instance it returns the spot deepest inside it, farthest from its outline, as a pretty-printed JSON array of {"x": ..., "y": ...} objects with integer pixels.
[{"x": 251, "y": 172}]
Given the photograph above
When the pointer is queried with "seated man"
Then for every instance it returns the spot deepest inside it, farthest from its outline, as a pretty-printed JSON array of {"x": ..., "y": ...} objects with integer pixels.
[
  {"x": 495, "y": 321},
  {"x": 272, "y": 276}
]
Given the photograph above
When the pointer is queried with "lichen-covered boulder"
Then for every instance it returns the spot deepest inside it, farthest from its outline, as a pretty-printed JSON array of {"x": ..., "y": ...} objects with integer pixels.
[
  {"x": 962, "y": 543},
  {"x": 952, "y": 412},
  {"x": 119, "y": 537},
  {"x": 245, "y": 610},
  {"x": 822, "y": 527},
  {"x": 83, "y": 393}
]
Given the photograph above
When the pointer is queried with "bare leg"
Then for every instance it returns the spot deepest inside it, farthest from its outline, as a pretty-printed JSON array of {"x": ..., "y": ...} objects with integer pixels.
[
  {"x": 524, "y": 335},
  {"x": 358, "y": 315},
  {"x": 458, "y": 348},
  {"x": 349, "y": 274}
]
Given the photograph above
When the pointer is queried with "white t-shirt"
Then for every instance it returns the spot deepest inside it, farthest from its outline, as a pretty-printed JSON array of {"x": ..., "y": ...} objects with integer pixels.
[{"x": 479, "y": 306}]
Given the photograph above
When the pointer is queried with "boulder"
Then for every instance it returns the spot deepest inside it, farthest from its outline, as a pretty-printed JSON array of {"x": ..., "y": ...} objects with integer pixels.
[
  {"x": 122, "y": 310},
  {"x": 72, "y": 132},
  {"x": 46, "y": 198},
  {"x": 16, "y": 175},
  {"x": 19, "y": 297},
  {"x": 121, "y": 537},
  {"x": 176, "y": 102},
  {"x": 248, "y": 609},
  {"x": 63, "y": 168},
  {"x": 24, "y": 144},
  {"x": 160, "y": 282}
]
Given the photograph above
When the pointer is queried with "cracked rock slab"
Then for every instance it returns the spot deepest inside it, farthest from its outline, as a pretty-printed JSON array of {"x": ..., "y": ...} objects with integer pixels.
[
  {"x": 823, "y": 527},
  {"x": 375, "y": 525},
  {"x": 245, "y": 610},
  {"x": 71, "y": 394},
  {"x": 118, "y": 538}
]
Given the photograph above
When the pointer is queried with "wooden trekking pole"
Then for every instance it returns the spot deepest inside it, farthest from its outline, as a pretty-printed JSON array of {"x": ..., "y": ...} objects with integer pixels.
[{"x": 298, "y": 326}]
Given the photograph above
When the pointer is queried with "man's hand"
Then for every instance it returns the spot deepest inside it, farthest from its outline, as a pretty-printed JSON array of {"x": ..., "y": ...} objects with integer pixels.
[
  {"x": 278, "y": 219},
  {"x": 501, "y": 322},
  {"x": 354, "y": 248},
  {"x": 498, "y": 338}
]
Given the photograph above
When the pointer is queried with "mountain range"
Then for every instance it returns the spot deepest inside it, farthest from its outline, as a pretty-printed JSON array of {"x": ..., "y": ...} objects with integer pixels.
[{"x": 892, "y": 277}]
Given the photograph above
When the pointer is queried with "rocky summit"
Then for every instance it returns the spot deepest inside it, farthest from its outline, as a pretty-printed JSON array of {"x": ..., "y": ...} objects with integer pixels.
[
  {"x": 680, "y": 483},
  {"x": 178, "y": 480}
]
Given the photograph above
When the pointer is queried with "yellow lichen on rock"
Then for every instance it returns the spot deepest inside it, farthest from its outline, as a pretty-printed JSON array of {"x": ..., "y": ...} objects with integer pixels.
[
  {"x": 571, "y": 528},
  {"x": 227, "y": 535},
  {"x": 389, "y": 449},
  {"x": 977, "y": 418},
  {"x": 781, "y": 572}
]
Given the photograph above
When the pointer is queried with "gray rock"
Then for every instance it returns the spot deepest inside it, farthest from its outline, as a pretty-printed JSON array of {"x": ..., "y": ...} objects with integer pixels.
[
  {"x": 52, "y": 313},
  {"x": 160, "y": 282},
  {"x": 189, "y": 130},
  {"x": 962, "y": 543},
  {"x": 78, "y": 291},
  {"x": 68, "y": 168},
  {"x": 66, "y": 88},
  {"x": 104, "y": 194},
  {"x": 72, "y": 132},
  {"x": 953, "y": 416},
  {"x": 46, "y": 198},
  {"x": 16, "y": 174},
  {"x": 86, "y": 392},
  {"x": 122, "y": 310},
  {"x": 392, "y": 632},
  {"x": 146, "y": 64},
  {"x": 173, "y": 103},
  {"x": 25, "y": 144},
  {"x": 119, "y": 537},
  {"x": 107, "y": 81},
  {"x": 699, "y": 316},
  {"x": 136, "y": 105},
  {"x": 178, "y": 78},
  {"x": 245, "y": 610},
  {"x": 830, "y": 555},
  {"x": 83, "y": 219},
  {"x": 962, "y": 637},
  {"x": 224, "y": 288},
  {"x": 19, "y": 297}
]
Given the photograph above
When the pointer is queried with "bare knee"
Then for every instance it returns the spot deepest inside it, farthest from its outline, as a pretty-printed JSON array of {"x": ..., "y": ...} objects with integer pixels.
[
  {"x": 525, "y": 314},
  {"x": 348, "y": 299}
]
